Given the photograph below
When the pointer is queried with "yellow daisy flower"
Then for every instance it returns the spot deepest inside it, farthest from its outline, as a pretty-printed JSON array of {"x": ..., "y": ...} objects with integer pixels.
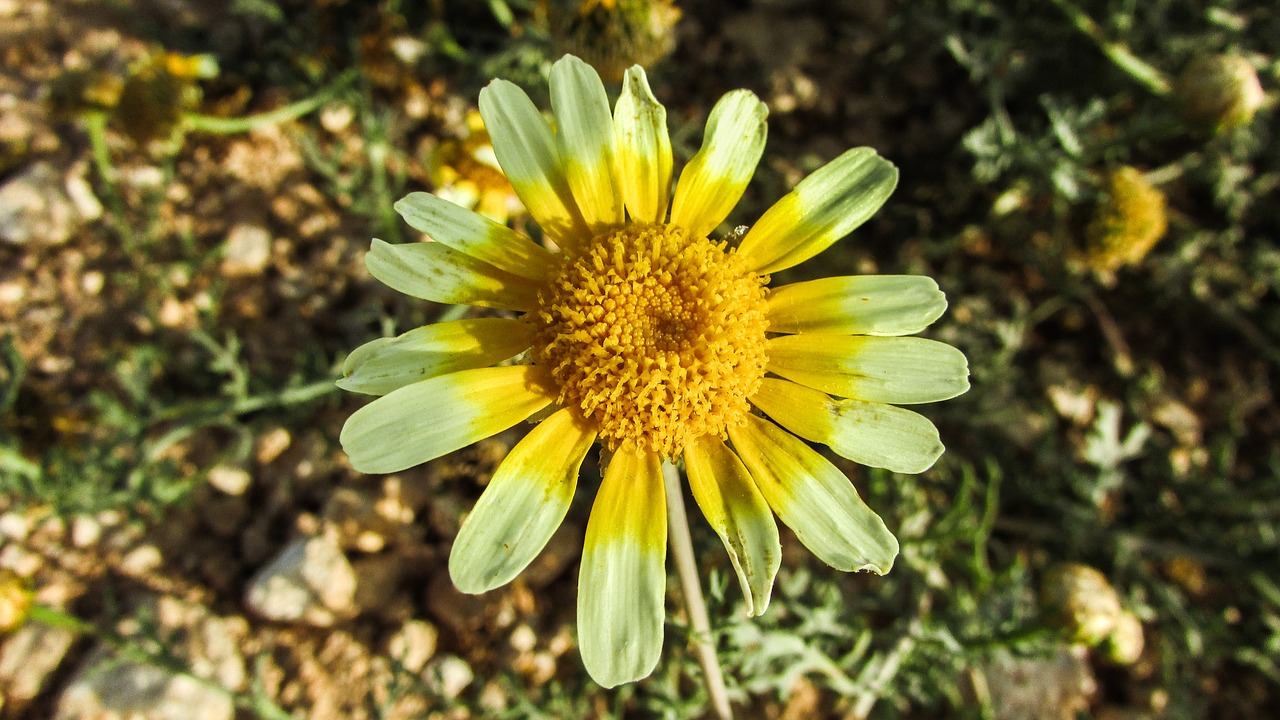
[{"x": 646, "y": 335}]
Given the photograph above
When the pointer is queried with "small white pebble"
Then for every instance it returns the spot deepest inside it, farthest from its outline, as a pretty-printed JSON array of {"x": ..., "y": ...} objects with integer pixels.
[
  {"x": 408, "y": 49},
  {"x": 172, "y": 313},
  {"x": 54, "y": 364},
  {"x": 271, "y": 444},
  {"x": 141, "y": 560},
  {"x": 230, "y": 480},
  {"x": 147, "y": 176},
  {"x": 493, "y": 697},
  {"x": 110, "y": 518},
  {"x": 247, "y": 250},
  {"x": 92, "y": 282},
  {"x": 11, "y": 293},
  {"x": 455, "y": 675},
  {"x": 337, "y": 117},
  {"x": 15, "y": 526},
  {"x": 414, "y": 644},
  {"x": 85, "y": 531},
  {"x": 523, "y": 639},
  {"x": 23, "y": 562}
]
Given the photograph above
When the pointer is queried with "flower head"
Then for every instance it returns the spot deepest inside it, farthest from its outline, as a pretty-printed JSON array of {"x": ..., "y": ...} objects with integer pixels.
[
  {"x": 1128, "y": 224},
  {"x": 641, "y": 331}
]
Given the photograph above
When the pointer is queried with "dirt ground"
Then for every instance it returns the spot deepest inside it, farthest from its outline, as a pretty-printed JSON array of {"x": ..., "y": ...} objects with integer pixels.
[{"x": 177, "y": 326}]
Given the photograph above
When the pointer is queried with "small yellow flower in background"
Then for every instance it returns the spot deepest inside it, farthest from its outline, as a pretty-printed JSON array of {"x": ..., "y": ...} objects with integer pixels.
[
  {"x": 15, "y": 601},
  {"x": 1128, "y": 224},
  {"x": 643, "y": 333},
  {"x": 465, "y": 171}
]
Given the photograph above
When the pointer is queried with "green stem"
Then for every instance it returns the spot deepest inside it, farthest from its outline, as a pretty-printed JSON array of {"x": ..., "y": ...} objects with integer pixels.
[
  {"x": 687, "y": 572},
  {"x": 880, "y": 674},
  {"x": 292, "y": 111},
  {"x": 1135, "y": 67},
  {"x": 96, "y": 125},
  {"x": 284, "y": 398}
]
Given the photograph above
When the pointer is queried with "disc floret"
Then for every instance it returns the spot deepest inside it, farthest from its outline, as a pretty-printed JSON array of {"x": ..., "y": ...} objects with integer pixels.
[{"x": 654, "y": 336}]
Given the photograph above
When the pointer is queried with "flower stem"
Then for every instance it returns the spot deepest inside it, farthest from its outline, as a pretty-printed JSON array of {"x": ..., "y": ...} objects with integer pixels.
[
  {"x": 687, "y": 572},
  {"x": 1135, "y": 67},
  {"x": 292, "y": 111}
]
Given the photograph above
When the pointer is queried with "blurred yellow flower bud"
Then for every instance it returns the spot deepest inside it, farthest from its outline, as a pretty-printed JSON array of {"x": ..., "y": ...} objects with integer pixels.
[
  {"x": 1078, "y": 599},
  {"x": 1219, "y": 92},
  {"x": 1128, "y": 223},
  {"x": 15, "y": 601}
]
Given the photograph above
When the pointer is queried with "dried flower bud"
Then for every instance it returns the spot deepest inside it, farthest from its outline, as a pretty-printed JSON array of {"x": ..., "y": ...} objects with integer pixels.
[
  {"x": 613, "y": 35},
  {"x": 157, "y": 93},
  {"x": 1125, "y": 643},
  {"x": 76, "y": 92},
  {"x": 1129, "y": 222},
  {"x": 1219, "y": 92},
  {"x": 1079, "y": 600},
  {"x": 15, "y": 601}
]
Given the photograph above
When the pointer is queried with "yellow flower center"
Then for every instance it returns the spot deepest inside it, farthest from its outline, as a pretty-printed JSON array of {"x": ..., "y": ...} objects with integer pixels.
[{"x": 653, "y": 336}]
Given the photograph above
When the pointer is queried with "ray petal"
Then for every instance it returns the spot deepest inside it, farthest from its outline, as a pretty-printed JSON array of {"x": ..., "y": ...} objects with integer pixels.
[
  {"x": 857, "y": 305},
  {"x": 736, "y": 510},
  {"x": 422, "y": 421},
  {"x": 644, "y": 149},
  {"x": 813, "y": 498},
  {"x": 585, "y": 137},
  {"x": 622, "y": 582},
  {"x": 522, "y": 506},
  {"x": 387, "y": 364},
  {"x": 822, "y": 208},
  {"x": 870, "y": 433},
  {"x": 526, "y": 151},
  {"x": 715, "y": 178}
]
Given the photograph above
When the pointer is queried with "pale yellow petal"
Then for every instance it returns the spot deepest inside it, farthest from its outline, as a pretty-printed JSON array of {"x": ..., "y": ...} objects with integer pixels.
[
  {"x": 524, "y": 503},
  {"x": 873, "y": 434},
  {"x": 422, "y": 421},
  {"x": 736, "y": 510},
  {"x": 475, "y": 235},
  {"x": 824, "y": 207},
  {"x": 622, "y": 581},
  {"x": 715, "y": 178},
  {"x": 813, "y": 498},
  {"x": 526, "y": 150},
  {"x": 902, "y": 370},
  {"x": 859, "y": 305},
  {"x": 585, "y": 138},
  {"x": 386, "y": 364},
  {"x": 644, "y": 149},
  {"x": 435, "y": 272}
]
